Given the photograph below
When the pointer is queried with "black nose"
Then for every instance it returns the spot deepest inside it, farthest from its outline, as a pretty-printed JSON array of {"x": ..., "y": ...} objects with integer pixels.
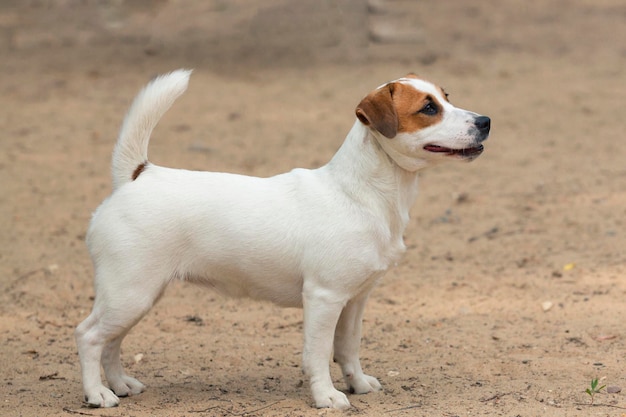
[{"x": 483, "y": 124}]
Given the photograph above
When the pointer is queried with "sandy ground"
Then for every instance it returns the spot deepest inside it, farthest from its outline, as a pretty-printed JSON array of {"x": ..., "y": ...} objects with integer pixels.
[{"x": 510, "y": 298}]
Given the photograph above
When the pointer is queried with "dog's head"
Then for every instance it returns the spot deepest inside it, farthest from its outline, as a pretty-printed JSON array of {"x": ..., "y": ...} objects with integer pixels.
[{"x": 416, "y": 125}]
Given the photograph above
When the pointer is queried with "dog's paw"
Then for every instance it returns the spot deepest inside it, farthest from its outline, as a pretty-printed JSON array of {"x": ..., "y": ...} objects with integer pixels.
[
  {"x": 102, "y": 397},
  {"x": 126, "y": 386},
  {"x": 331, "y": 398},
  {"x": 362, "y": 384}
]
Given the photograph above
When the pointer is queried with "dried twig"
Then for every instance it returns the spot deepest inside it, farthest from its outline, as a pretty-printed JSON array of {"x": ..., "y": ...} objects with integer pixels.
[
  {"x": 49, "y": 377},
  {"x": 81, "y": 413},
  {"x": 494, "y": 397},
  {"x": 403, "y": 408},
  {"x": 600, "y": 405},
  {"x": 243, "y": 413}
]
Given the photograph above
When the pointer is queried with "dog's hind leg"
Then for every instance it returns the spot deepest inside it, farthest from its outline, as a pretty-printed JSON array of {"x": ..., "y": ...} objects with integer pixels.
[
  {"x": 346, "y": 347},
  {"x": 90, "y": 344},
  {"x": 99, "y": 338},
  {"x": 121, "y": 384}
]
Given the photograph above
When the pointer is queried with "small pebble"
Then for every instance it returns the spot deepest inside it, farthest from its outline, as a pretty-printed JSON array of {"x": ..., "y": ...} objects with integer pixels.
[
  {"x": 547, "y": 305},
  {"x": 613, "y": 389}
]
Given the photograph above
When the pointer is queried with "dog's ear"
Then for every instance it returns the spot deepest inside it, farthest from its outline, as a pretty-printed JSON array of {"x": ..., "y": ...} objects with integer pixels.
[{"x": 377, "y": 110}]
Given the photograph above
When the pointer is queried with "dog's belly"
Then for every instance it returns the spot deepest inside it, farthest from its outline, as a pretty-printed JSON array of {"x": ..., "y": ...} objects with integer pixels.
[{"x": 282, "y": 288}]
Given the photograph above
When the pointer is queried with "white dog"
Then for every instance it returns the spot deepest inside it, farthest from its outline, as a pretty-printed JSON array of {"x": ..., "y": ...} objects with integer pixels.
[{"x": 319, "y": 239}]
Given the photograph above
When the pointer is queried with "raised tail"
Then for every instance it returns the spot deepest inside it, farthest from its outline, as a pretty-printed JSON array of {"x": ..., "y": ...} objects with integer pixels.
[{"x": 130, "y": 155}]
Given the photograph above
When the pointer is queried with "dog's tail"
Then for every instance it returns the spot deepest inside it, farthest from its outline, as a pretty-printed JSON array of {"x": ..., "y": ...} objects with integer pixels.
[{"x": 130, "y": 155}]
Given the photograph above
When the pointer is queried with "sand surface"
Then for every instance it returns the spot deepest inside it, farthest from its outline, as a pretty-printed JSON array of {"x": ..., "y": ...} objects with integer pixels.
[{"x": 511, "y": 297}]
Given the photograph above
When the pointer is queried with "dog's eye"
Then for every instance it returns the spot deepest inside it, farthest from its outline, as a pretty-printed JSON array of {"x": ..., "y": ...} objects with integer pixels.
[{"x": 430, "y": 109}]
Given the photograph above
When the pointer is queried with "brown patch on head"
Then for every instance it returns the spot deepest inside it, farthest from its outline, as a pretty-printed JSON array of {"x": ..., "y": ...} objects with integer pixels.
[
  {"x": 416, "y": 109},
  {"x": 140, "y": 168},
  {"x": 415, "y": 76},
  {"x": 398, "y": 107},
  {"x": 378, "y": 111}
]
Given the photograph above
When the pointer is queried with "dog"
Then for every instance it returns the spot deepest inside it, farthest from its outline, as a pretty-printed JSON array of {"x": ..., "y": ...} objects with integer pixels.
[{"x": 319, "y": 239}]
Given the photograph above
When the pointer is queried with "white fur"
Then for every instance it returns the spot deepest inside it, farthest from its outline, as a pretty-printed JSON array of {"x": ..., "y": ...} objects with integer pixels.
[
  {"x": 146, "y": 111},
  {"x": 319, "y": 239}
]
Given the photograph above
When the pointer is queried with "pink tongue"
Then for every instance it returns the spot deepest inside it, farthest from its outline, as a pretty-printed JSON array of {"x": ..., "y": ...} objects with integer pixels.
[{"x": 435, "y": 148}]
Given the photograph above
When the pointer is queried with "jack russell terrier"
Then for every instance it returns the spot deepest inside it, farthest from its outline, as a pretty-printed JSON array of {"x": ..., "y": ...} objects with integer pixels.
[{"x": 318, "y": 239}]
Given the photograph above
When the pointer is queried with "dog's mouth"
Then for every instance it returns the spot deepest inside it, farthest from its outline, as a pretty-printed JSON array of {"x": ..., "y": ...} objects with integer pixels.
[{"x": 464, "y": 153}]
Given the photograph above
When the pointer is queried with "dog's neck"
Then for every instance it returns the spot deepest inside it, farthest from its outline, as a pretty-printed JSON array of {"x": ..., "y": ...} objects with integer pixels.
[{"x": 371, "y": 178}]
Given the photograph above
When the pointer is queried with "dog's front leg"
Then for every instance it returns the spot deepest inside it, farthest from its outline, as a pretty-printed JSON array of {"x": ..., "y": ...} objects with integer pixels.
[
  {"x": 321, "y": 312},
  {"x": 347, "y": 343}
]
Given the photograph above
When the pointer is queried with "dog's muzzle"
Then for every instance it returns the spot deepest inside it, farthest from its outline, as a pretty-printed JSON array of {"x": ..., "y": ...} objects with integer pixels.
[{"x": 479, "y": 131}]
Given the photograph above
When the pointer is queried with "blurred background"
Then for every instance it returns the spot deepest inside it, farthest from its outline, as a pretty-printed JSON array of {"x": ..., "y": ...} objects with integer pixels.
[{"x": 510, "y": 298}]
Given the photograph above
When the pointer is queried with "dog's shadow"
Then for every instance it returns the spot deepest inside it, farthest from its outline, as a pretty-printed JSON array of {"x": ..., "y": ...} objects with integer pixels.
[{"x": 239, "y": 393}]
